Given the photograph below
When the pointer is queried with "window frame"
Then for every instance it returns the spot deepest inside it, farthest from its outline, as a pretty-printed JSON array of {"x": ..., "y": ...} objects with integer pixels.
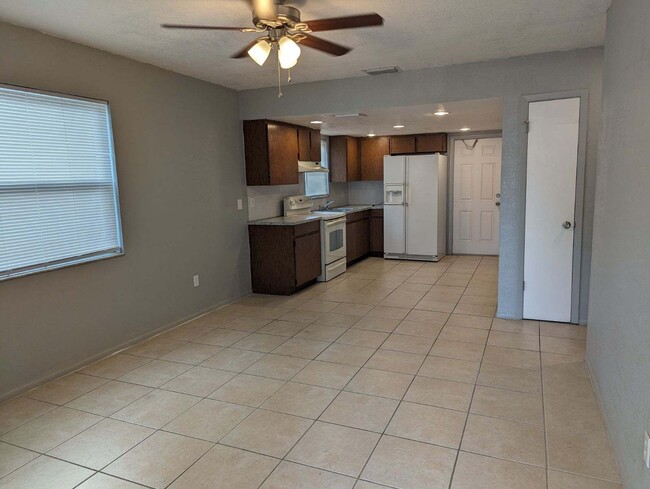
[
  {"x": 306, "y": 175},
  {"x": 42, "y": 267}
]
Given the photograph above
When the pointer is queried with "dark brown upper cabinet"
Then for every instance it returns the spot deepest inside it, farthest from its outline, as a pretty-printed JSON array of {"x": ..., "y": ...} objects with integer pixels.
[
  {"x": 431, "y": 143},
  {"x": 344, "y": 159},
  {"x": 372, "y": 152},
  {"x": 308, "y": 144},
  {"x": 271, "y": 151},
  {"x": 402, "y": 145},
  {"x": 314, "y": 136}
]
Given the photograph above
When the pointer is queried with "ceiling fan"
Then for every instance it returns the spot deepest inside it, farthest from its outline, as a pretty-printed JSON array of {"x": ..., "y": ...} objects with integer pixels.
[{"x": 283, "y": 29}]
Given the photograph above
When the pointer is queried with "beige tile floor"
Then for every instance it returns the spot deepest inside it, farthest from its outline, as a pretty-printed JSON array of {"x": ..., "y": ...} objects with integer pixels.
[{"x": 394, "y": 375}]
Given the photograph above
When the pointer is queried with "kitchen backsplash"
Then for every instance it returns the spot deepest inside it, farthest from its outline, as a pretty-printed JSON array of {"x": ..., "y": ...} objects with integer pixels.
[
  {"x": 269, "y": 200},
  {"x": 366, "y": 192}
]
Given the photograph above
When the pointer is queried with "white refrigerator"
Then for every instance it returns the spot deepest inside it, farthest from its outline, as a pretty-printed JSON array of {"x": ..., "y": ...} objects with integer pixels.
[{"x": 415, "y": 207}]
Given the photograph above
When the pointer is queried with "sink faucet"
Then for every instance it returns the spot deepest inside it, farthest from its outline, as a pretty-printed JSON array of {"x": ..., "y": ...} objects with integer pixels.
[{"x": 326, "y": 205}]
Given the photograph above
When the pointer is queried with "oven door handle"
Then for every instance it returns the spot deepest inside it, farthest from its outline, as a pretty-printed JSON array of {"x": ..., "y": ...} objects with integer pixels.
[{"x": 335, "y": 222}]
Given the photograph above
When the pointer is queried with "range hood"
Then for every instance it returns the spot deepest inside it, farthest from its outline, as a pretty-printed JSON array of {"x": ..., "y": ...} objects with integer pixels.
[{"x": 311, "y": 167}]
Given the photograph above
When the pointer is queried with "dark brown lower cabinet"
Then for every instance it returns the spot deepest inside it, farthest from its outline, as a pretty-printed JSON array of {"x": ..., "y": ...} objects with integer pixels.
[
  {"x": 284, "y": 258},
  {"x": 377, "y": 232},
  {"x": 357, "y": 231}
]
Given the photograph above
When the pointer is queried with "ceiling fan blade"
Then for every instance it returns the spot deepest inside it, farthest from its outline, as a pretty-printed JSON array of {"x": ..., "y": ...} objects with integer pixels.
[
  {"x": 244, "y": 52},
  {"x": 325, "y": 46},
  {"x": 365, "y": 20},
  {"x": 206, "y": 27}
]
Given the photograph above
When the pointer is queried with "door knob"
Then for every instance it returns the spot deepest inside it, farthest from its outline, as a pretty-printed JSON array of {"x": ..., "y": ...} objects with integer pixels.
[{"x": 566, "y": 225}]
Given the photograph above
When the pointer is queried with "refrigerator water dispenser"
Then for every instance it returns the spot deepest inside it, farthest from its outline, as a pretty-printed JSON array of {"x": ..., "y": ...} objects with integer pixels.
[{"x": 394, "y": 195}]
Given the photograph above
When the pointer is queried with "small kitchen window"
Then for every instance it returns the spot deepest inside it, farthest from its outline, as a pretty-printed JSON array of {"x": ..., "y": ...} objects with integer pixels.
[
  {"x": 58, "y": 184},
  {"x": 318, "y": 184}
]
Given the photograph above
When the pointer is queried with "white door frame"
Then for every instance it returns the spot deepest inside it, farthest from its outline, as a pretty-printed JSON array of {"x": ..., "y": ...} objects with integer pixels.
[
  {"x": 451, "y": 144},
  {"x": 583, "y": 95}
]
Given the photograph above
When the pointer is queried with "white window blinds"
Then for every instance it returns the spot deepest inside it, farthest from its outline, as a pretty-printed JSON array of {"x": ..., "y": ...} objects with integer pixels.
[
  {"x": 58, "y": 187},
  {"x": 318, "y": 184}
]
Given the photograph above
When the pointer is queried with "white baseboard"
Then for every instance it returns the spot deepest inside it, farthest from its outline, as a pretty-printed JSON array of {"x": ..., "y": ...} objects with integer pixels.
[
  {"x": 601, "y": 407},
  {"x": 507, "y": 316}
]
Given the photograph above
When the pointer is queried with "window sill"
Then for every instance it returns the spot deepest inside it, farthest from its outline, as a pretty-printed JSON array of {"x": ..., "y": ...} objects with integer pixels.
[{"x": 61, "y": 264}]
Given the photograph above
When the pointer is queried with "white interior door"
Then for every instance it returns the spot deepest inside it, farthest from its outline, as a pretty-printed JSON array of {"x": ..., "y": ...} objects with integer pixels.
[
  {"x": 422, "y": 209},
  {"x": 553, "y": 139},
  {"x": 477, "y": 181}
]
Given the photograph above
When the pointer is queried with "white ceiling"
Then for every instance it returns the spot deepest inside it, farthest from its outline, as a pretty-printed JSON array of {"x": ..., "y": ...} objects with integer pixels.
[
  {"x": 417, "y": 33},
  {"x": 478, "y": 115}
]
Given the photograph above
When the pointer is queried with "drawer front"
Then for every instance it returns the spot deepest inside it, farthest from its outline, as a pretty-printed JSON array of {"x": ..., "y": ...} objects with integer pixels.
[
  {"x": 307, "y": 228},
  {"x": 357, "y": 216}
]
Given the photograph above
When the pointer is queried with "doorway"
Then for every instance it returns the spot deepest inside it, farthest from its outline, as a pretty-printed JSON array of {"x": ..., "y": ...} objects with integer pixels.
[
  {"x": 552, "y": 185},
  {"x": 477, "y": 183}
]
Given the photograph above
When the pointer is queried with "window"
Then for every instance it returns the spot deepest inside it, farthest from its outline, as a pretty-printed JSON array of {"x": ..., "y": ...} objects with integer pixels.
[
  {"x": 58, "y": 187},
  {"x": 318, "y": 184}
]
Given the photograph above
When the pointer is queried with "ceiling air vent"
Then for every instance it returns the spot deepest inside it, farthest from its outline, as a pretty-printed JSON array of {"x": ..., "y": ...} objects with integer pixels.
[{"x": 382, "y": 71}]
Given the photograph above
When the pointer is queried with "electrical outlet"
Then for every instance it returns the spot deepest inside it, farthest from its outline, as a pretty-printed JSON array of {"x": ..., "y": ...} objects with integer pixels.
[
  {"x": 251, "y": 202},
  {"x": 196, "y": 280},
  {"x": 240, "y": 204},
  {"x": 646, "y": 450}
]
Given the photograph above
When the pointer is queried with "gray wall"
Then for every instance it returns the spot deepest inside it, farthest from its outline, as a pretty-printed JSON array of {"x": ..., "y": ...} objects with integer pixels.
[
  {"x": 365, "y": 192},
  {"x": 269, "y": 200},
  {"x": 618, "y": 343},
  {"x": 180, "y": 167},
  {"x": 508, "y": 78}
]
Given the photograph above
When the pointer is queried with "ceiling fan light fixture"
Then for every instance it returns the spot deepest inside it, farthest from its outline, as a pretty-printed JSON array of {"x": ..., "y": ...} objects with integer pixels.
[
  {"x": 260, "y": 51},
  {"x": 288, "y": 52},
  {"x": 287, "y": 63},
  {"x": 289, "y": 47}
]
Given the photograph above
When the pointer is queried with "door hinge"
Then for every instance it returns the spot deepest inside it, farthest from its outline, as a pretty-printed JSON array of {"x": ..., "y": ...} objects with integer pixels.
[
  {"x": 527, "y": 124},
  {"x": 523, "y": 285}
]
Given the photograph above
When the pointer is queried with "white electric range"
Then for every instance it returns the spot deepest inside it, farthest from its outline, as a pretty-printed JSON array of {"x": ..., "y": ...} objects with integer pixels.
[{"x": 332, "y": 232}]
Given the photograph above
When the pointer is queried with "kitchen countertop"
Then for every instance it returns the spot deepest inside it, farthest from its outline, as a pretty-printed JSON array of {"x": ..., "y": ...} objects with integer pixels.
[
  {"x": 351, "y": 209},
  {"x": 285, "y": 220},
  {"x": 296, "y": 220}
]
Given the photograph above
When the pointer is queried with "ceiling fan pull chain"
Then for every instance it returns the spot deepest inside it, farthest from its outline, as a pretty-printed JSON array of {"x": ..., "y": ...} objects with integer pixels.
[
  {"x": 289, "y": 76},
  {"x": 279, "y": 77}
]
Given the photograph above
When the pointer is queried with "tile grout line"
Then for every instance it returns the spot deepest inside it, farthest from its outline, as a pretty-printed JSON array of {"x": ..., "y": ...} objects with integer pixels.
[
  {"x": 383, "y": 433},
  {"x": 314, "y": 297},
  {"x": 469, "y": 409}
]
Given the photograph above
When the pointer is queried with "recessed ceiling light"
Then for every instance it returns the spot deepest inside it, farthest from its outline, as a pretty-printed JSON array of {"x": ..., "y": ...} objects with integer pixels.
[
  {"x": 441, "y": 112},
  {"x": 398, "y": 126},
  {"x": 371, "y": 135},
  {"x": 316, "y": 122},
  {"x": 465, "y": 129}
]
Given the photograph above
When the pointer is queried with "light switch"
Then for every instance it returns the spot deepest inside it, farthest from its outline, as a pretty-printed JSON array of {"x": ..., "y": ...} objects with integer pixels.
[{"x": 240, "y": 204}]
